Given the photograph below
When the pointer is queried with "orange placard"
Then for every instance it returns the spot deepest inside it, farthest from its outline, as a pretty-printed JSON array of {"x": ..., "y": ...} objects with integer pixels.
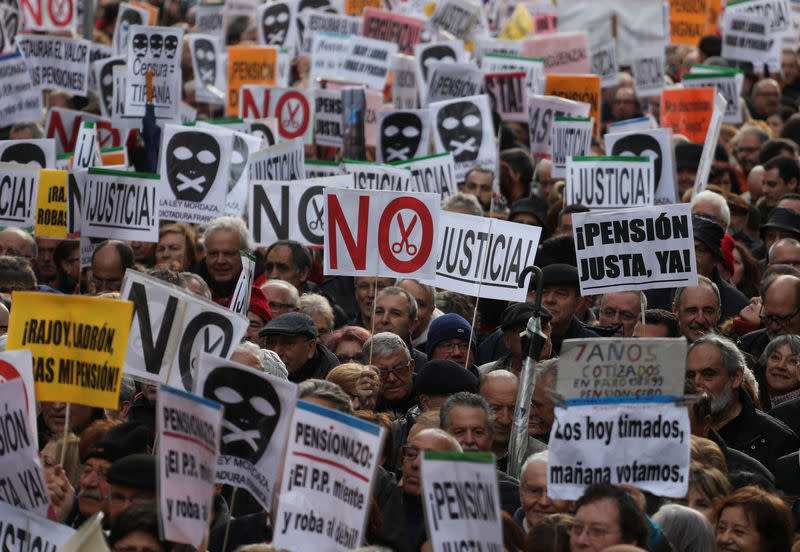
[
  {"x": 687, "y": 21},
  {"x": 580, "y": 88},
  {"x": 688, "y": 111},
  {"x": 249, "y": 65},
  {"x": 152, "y": 10},
  {"x": 355, "y": 7}
]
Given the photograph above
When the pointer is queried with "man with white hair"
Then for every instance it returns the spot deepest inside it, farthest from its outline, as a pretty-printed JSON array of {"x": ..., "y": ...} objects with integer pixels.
[
  {"x": 225, "y": 238},
  {"x": 712, "y": 206},
  {"x": 533, "y": 493}
]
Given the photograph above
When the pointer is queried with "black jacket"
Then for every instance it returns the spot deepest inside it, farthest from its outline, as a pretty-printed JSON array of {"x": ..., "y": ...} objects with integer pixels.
[
  {"x": 318, "y": 367},
  {"x": 733, "y": 300},
  {"x": 575, "y": 330},
  {"x": 754, "y": 342},
  {"x": 737, "y": 461},
  {"x": 788, "y": 413}
]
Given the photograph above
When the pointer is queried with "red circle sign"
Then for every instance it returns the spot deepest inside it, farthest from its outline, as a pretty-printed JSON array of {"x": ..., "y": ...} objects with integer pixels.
[
  {"x": 291, "y": 122},
  {"x": 60, "y": 12},
  {"x": 7, "y": 373},
  {"x": 423, "y": 249}
]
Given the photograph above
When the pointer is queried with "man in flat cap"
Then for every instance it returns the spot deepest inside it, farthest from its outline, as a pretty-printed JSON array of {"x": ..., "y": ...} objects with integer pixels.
[
  {"x": 513, "y": 322},
  {"x": 132, "y": 480},
  {"x": 293, "y": 336}
]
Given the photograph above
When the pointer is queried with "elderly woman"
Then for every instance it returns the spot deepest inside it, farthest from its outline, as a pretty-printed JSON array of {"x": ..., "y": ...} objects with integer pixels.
[
  {"x": 176, "y": 243},
  {"x": 753, "y": 520},
  {"x": 320, "y": 311},
  {"x": 348, "y": 343},
  {"x": 778, "y": 368}
]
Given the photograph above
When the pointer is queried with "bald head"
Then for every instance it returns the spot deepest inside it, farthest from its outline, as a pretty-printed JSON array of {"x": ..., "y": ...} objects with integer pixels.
[
  {"x": 15, "y": 242},
  {"x": 500, "y": 388}
]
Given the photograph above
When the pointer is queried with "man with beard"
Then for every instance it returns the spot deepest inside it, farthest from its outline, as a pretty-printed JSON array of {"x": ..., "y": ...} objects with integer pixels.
[
  {"x": 697, "y": 308},
  {"x": 716, "y": 366},
  {"x": 478, "y": 182},
  {"x": 779, "y": 313}
]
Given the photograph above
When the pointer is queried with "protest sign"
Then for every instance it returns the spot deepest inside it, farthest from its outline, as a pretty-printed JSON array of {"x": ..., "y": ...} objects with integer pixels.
[
  {"x": 19, "y": 185},
  {"x": 747, "y": 37},
  {"x": 603, "y": 62},
  {"x": 129, "y": 14},
  {"x": 265, "y": 128},
  {"x": 19, "y": 100},
  {"x": 25, "y": 530},
  {"x": 485, "y": 46},
  {"x": 519, "y": 25},
  {"x": 240, "y": 300},
  {"x": 188, "y": 432},
  {"x": 104, "y": 78},
  {"x": 572, "y": 136},
  {"x": 209, "y": 71},
  {"x": 87, "y": 149},
  {"x": 368, "y": 61},
  {"x": 318, "y": 21},
  {"x": 608, "y": 182},
  {"x": 404, "y": 82},
  {"x": 167, "y": 323},
  {"x": 277, "y": 24},
  {"x": 688, "y": 22},
  {"x": 355, "y": 7},
  {"x": 648, "y": 72},
  {"x": 293, "y": 109},
  {"x": 78, "y": 345},
  {"x": 210, "y": 19},
  {"x": 154, "y": 49},
  {"x": 120, "y": 205},
  {"x": 508, "y": 95},
  {"x": 709, "y": 145},
  {"x": 542, "y": 110},
  {"x": 777, "y": 12},
  {"x": 295, "y": 210},
  {"x": 328, "y": 53},
  {"x": 39, "y": 153},
  {"x": 327, "y": 118},
  {"x": 321, "y": 169},
  {"x": 49, "y": 15},
  {"x": 433, "y": 173},
  {"x": 329, "y": 466},
  {"x": 655, "y": 144},
  {"x": 579, "y": 88},
  {"x": 478, "y": 254},
  {"x": 283, "y": 161},
  {"x": 634, "y": 369},
  {"x": 114, "y": 157},
  {"x": 451, "y": 80},
  {"x": 688, "y": 111},
  {"x": 635, "y": 249},
  {"x": 377, "y": 176},
  {"x": 20, "y": 468},
  {"x": 727, "y": 83},
  {"x": 646, "y": 445},
  {"x": 19, "y": 365},
  {"x": 464, "y": 127},
  {"x": 403, "y": 30},
  {"x": 195, "y": 163},
  {"x": 249, "y": 65},
  {"x": 398, "y": 225},
  {"x": 402, "y": 134},
  {"x": 456, "y": 16},
  {"x": 533, "y": 68},
  {"x": 257, "y": 410},
  {"x": 51, "y": 205},
  {"x": 563, "y": 52},
  {"x": 545, "y": 23},
  {"x": 425, "y": 54},
  {"x": 461, "y": 501},
  {"x": 56, "y": 63}
]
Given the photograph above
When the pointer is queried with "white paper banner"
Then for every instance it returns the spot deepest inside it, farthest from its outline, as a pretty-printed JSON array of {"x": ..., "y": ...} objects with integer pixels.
[
  {"x": 120, "y": 205},
  {"x": 542, "y": 110},
  {"x": 571, "y": 136},
  {"x": 434, "y": 173},
  {"x": 655, "y": 144},
  {"x": 20, "y": 100},
  {"x": 158, "y": 49},
  {"x": 57, "y": 63}
]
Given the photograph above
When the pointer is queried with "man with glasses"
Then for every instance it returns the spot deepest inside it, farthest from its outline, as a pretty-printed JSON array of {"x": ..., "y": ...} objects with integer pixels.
[
  {"x": 281, "y": 296},
  {"x": 622, "y": 307},
  {"x": 393, "y": 360},
  {"x": 533, "y": 493},
  {"x": 450, "y": 337},
  {"x": 293, "y": 337},
  {"x": 766, "y": 98},
  {"x": 225, "y": 238},
  {"x": 779, "y": 314},
  {"x": 109, "y": 261},
  {"x": 132, "y": 481},
  {"x": 607, "y": 515}
]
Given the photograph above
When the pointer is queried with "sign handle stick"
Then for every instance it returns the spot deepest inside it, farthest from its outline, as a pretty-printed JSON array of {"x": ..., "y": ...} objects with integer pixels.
[
  {"x": 480, "y": 284},
  {"x": 228, "y": 522},
  {"x": 372, "y": 323},
  {"x": 644, "y": 325},
  {"x": 64, "y": 439}
]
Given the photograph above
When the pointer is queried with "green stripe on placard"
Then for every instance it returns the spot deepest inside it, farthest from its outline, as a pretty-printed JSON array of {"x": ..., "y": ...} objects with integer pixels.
[
  {"x": 715, "y": 69},
  {"x": 321, "y": 163},
  {"x": 225, "y": 121},
  {"x": 111, "y": 150},
  {"x": 591, "y": 158},
  {"x": 357, "y": 162},
  {"x": 700, "y": 76},
  {"x": 114, "y": 172},
  {"x": 568, "y": 118},
  {"x": 736, "y": 2},
  {"x": 473, "y": 457},
  {"x": 434, "y": 156},
  {"x": 67, "y": 155},
  {"x": 505, "y": 56}
]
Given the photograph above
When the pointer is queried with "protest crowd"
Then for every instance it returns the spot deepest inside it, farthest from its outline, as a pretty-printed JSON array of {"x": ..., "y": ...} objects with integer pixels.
[{"x": 264, "y": 275}]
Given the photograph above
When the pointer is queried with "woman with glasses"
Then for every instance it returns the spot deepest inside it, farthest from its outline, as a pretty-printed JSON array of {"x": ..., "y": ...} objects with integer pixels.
[
  {"x": 347, "y": 344},
  {"x": 778, "y": 373}
]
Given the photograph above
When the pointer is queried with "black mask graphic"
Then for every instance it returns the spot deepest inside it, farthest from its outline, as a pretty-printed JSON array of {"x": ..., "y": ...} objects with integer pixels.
[
  {"x": 156, "y": 45},
  {"x": 192, "y": 163},
  {"x": 24, "y": 154},
  {"x": 441, "y": 52},
  {"x": 170, "y": 46},
  {"x": 319, "y": 5},
  {"x": 206, "y": 60},
  {"x": 106, "y": 83},
  {"x": 252, "y": 410},
  {"x": 400, "y": 136},
  {"x": 139, "y": 44},
  {"x": 131, "y": 17},
  {"x": 264, "y": 132},
  {"x": 238, "y": 160},
  {"x": 276, "y": 24},
  {"x": 644, "y": 145},
  {"x": 12, "y": 26},
  {"x": 461, "y": 129}
]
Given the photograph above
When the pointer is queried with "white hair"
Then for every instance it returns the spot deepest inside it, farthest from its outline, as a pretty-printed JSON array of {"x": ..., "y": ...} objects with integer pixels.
[{"x": 719, "y": 201}]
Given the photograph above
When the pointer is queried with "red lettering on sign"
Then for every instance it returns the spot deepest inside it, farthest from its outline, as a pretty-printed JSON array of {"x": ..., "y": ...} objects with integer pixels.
[
  {"x": 32, "y": 11},
  {"x": 108, "y": 136},
  {"x": 249, "y": 104},
  {"x": 60, "y": 12},
  {"x": 356, "y": 248},
  {"x": 56, "y": 126},
  {"x": 423, "y": 250},
  {"x": 288, "y": 124}
]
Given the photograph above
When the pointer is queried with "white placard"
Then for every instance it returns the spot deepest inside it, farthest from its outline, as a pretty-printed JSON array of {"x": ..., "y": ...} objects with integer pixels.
[
  {"x": 120, "y": 205},
  {"x": 456, "y": 17},
  {"x": 452, "y": 80},
  {"x": 327, "y": 118},
  {"x": 728, "y": 84},
  {"x": 320, "y": 21},
  {"x": 376, "y": 176},
  {"x": 57, "y": 63},
  {"x": 20, "y": 100},
  {"x": 127, "y": 16},
  {"x": 646, "y": 445},
  {"x": 283, "y": 161},
  {"x": 188, "y": 432},
  {"x": 293, "y": 109},
  {"x": 404, "y": 82},
  {"x": 648, "y": 72},
  {"x": 434, "y": 173},
  {"x": 509, "y": 98},
  {"x": 18, "y": 190},
  {"x": 451, "y": 51},
  {"x": 33, "y": 531},
  {"x": 710, "y": 144},
  {"x": 533, "y": 68},
  {"x": 19, "y": 365},
  {"x": 607, "y": 182},
  {"x": 158, "y": 49},
  {"x": 104, "y": 79},
  {"x": 747, "y": 37},
  {"x": 277, "y": 24},
  {"x": 209, "y": 67},
  {"x": 328, "y": 53},
  {"x": 402, "y": 134},
  {"x": 240, "y": 300},
  {"x": 635, "y": 249},
  {"x": 368, "y": 60},
  {"x": 542, "y": 110},
  {"x": 653, "y": 143},
  {"x": 330, "y": 464},
  {"x": 603, "y": 62},
  {"x": 571, "y": 136},
  {"x": 210, "y": 19},
  {"x": 87, "y": 148}
]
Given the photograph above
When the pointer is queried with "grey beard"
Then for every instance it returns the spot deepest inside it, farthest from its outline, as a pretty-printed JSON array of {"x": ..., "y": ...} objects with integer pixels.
[{"x": 722, "y": 403}]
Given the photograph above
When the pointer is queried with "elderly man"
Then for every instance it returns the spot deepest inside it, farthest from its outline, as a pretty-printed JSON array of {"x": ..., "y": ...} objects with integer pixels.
[
  {"x": 425, "y": 296},
  {"x": 132, "y": 481},
  {"x": 766, "y": 97},
  {"x": 780, "y": 312},
  {"x": 450, "y": 336},
  {"x": 290, "y": 261},
  {"x": 281, "y": 296},
  {"x": 786, "y": 252},
  {"x": 697, "y": 308},
  {"x": 109, "y": 261},
  {"x": 390, "y": 355},
  {"x": 293, "y": 337},
  {"x": 366, "y": 289},
  {"x": 712, "y": 206},
  {"x": 606, "y": 516},
  {"x": 542, "y": 414},
  {"x": 15, "y": 242},
  {"x": 225, "y": 238},
  {"x": 748, "y": 142},
  {"x": 513, "y": 322},
  {"x": 622, "y": 307},
  {"x": 396, "y": 312},
  {"x": 716, "y": 366},
  {"x": 533, "y": 493}
]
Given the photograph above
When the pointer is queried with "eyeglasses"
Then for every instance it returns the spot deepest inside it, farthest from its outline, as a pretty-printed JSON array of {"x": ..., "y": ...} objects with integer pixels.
[
  {"x": 274, "y": 305},
  {"x": 627, "y": 316},
  {"x": 410, "y": 452},
  {"x": 99, "y": 471},
  {"x": 358, "y": 357},
  {"x": 594, "y": 533},
  {"x": 533, "y": 492},
  {"x": 450, "y": 347},
  {"x": 386, "y": 371},
  {"x": 775, "y": 319}
]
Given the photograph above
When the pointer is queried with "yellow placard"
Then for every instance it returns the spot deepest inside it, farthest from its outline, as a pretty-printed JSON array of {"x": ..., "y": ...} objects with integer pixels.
[
  {"x": 51, "y": 205},
  {"x": 519, "y": 25},
  {"x": 580, "y": 88},
  {"x": 688, "y": 21},
  {"x": 78, "y": 345},
  {"x": 249, "y": 65}
]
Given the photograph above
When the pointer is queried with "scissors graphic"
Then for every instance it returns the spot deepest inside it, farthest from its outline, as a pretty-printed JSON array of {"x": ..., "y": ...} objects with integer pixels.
[
  {"x": 397, "y": 247},
  {"x": 317, "y": 222}
]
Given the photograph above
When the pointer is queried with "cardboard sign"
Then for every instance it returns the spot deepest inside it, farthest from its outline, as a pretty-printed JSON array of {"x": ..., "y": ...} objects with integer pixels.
[
  {"x": 377, "y": 176},
  {"x": 327, "y": 118},
  {"x": 104, "y": 77},
  {"x": 188, "y": 433},
  {"x": 747, "y": 37},
  {"x": 249, "y": 65},
  {"x": 49, "y": 15},
  {"x": 127, "y": 16},
  {"x": 508, "y": 95},
  {"x": 579, "y": 88},
  {"x": 120, "y": 205},
  {"x": 355, "y": 7},
  {"x": 171, "y": 327},
  {"x": 542, "y": 110},
  {"x": 19, "y": 185},
  {"x": 461, "y": 500},
  {"x": 603, "y": 62},
  {"x": 655, "y": 144},
  {"x": 646, "y": 445},
  {"x": 20, "y": 101},
  {"x": 368, "y": 60},
  {"x": 78, "y": 345},
  {"x": 648, "y": 72},
  {"x": 277, "y": 24},
  {"x": 456, "y": 16},
  {"x": 403, "y": 30},
  {"x": 209, "y": 71},
  {"x": 210, "y": 19},
  {"x": 635, "y": 249},
  {"x": 484, "y": 46},
  {"x": 328, "y": 53},
  {"x": 293, "y": 109},
  {"x": 425, "y": 54},
  {"x": 195, "y": 163},
  {"x": 87, "y": 149},
  {"x": 599, "y": 182},
  {"x": 433, "y": 174},
  {"x": 727, "y": 83},
  {"x": 257, "y": 410},
  {"x": 51, "y": 205},
  {"x": 563, "y": 52},
  {"x": 56, "y": 63},
  {"x": 291, "y": 210},
  {"x": 265, "y": 129},
  {"x": 688, "y": 22},
  {"x": 602, "y": 368},
  {"x": 402, "y": 134},
  {"x": 398, "y": 225},
  {"x": 479, "y": 255},
  {"x": 452, "y": 80},
  {"x": 155, "y": 49},
  {"x": 572, "y": 136},
  {"x": 37, "y": 531},
  {"x": 777, "y": 12},
  {"x": 283, "y": 161},
  {"x": 464, "y": 127},
  {"x": 519, "y": 25},
  {"x": 327, "y": 477},
  {"x": 533, "y": 68},
  {"x": 318, "y": 21},
  {"x": 709, "y": 145},
  {"x": 688, "y": 111}
]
